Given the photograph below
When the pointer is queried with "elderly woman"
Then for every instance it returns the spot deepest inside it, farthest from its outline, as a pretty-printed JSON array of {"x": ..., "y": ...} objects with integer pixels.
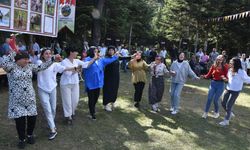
[{"x": 22, "y": 100}]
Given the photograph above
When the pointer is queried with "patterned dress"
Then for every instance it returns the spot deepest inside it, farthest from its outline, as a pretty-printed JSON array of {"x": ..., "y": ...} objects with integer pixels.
[{"x": 22, "y": 100}]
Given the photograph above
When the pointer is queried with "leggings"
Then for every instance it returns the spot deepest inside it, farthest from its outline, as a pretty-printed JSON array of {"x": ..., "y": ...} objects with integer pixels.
[
  {"x": 139, "y": 86},
  {"x": 21, "y": 126}
]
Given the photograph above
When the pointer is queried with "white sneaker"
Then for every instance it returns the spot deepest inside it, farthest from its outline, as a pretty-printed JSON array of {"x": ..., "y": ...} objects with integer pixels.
[
  {"x": 174, "y": 112},
  {"x": 171, "y": 109},
  {"x": 204, "y": 115},
  {"x": 216, "y": 115},
  {"x": 224, "y": 123},
  {"x": 107, "y": 108}
]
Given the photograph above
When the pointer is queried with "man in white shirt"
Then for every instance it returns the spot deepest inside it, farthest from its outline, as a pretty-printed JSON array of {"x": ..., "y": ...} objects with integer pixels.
[
  {"x": 103, "y": 50},
  {"x": 124, "y": 53}
]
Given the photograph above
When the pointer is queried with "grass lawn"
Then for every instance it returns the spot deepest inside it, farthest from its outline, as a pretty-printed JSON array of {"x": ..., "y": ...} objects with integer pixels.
[{"x": 128, "y": 128}]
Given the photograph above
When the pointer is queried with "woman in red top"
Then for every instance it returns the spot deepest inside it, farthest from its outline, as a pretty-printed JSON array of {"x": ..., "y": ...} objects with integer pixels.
[{"x": 217, "y": 71}]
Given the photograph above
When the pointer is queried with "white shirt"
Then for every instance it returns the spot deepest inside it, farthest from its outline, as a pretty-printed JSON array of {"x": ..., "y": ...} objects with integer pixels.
[
  {"x": 179, "y": 64},
  {"x": 163, "y": 53},
  {"x": 235, "y": 82},
  {"x": 69, "y": 77},
  {"x": 124, "y": 52},
  {"x": 244, "y": 64},
  {"x": 47, "y": 78},
  {"x": 103, "y": 51}
]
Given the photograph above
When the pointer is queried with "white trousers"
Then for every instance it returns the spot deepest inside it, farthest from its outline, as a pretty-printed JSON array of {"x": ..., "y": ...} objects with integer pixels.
[
  {"x": 48, "y": 101},
  {"x": 70, "y": 98}
]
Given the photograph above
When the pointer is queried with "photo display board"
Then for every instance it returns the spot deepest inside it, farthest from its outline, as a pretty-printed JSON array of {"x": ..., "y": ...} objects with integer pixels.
[{"x": 38, "y": 17}]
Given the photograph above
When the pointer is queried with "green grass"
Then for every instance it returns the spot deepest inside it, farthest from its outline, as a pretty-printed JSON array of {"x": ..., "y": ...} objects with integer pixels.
[{"x": 128, "y": 128}]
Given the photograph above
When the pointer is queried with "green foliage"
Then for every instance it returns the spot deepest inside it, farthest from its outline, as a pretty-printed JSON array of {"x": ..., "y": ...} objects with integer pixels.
[{"x": 169, "y": 19}]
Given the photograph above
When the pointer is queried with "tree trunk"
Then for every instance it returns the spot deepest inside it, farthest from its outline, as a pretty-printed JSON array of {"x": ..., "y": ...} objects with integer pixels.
[{"x": 96, "y": 32}]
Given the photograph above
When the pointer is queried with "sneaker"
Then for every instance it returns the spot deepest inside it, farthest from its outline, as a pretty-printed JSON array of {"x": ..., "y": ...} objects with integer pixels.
[
  {"x": 21, "y": 144},
  {"x": 52, "y": 135},
  {"x": 174, "y": 112},
  {"x": 204, "y": 115},
  {"x": 216, "y": 115},
  {"x": 171, "y": 109},
  {"x": 224, "y": 123},
  {"x": 93, "y": 117},
  {"x": 137, "y": 104},
  {"x": 107, "y": 108},
  {"x": 31, "y": 139}
]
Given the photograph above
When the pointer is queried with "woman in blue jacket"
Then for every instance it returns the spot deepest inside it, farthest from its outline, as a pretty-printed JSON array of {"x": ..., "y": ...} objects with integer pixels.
[{"x": 94, "y": 78}]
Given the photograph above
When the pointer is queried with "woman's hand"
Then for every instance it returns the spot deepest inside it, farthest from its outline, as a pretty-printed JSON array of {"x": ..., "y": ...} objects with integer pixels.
[
  {"x": 224, "y": 78},
  {"x": 172, "y": 73}
]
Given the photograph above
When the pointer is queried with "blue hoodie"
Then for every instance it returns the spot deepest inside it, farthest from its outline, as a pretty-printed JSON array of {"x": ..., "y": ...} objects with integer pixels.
[{"x": 94, "y": 74}]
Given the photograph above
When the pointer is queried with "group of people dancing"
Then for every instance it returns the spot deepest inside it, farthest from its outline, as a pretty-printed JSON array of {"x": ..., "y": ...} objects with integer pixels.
[{"x": 103, "y": 73}]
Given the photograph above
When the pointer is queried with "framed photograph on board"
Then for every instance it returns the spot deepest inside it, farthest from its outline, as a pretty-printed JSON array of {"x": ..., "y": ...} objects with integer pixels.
[
  {"x": 20, "y": 19},
  {"x": 35, "y": 22},
  {"x": 21, "y": 4},
  {"x": 50, "y": 7},
  {"x": 4, "y": 17},
  {"x": 36, "y": 5}
]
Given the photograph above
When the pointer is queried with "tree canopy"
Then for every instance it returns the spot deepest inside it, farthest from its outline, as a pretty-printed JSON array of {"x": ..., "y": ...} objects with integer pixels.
[{"x": 168, "y": 20}]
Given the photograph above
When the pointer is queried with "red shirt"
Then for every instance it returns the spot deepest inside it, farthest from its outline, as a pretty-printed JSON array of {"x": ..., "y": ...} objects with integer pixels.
[{"x": 215, "y": 73}]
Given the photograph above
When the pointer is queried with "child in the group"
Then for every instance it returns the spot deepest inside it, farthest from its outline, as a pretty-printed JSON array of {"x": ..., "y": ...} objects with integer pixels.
[
  {"x": 236, "y": 77},
  {"x": 156, "y": 85},
  {"x": 180, "y": 70},
  {"x": 216, "y": 87}
]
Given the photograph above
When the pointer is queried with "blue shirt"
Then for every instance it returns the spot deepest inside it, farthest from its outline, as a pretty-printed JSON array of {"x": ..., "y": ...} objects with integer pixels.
[{"x": 94, "y": 74}]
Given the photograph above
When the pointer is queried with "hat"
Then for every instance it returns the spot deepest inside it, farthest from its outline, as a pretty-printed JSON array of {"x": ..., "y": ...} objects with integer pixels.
[{"x": 21, "y": 55}]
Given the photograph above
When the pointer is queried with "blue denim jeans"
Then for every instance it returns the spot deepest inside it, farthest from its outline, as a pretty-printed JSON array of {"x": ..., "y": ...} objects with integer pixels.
[
  {"x": 216, "y": 89},
  {"x": 175, "y": 92}
]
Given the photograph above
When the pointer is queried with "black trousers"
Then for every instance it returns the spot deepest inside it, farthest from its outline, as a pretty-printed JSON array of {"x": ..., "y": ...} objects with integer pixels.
[
  {"x": 21, "y": 126},
  {"x": 139, "y": 86},
  {"x": 93, "y": 96}
]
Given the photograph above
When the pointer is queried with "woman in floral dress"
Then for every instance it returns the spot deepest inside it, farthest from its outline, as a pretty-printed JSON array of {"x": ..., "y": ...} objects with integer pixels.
[{"x": 22, "y": 99}]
